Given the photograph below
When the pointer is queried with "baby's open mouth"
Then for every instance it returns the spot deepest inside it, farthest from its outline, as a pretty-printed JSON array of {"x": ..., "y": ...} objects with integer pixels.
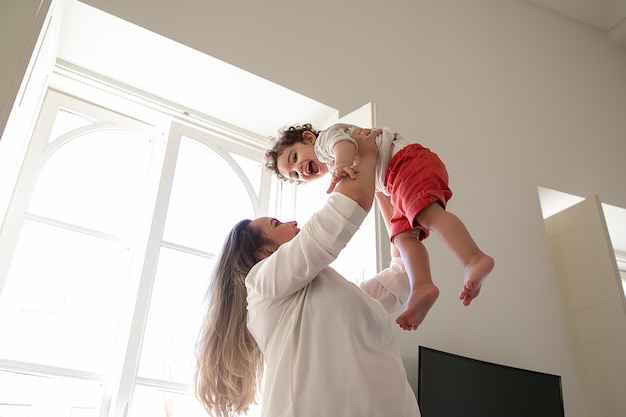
[{"x": 313, "y": 168}]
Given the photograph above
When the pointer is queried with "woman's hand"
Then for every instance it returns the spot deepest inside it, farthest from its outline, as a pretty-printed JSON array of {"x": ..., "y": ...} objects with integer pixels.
[
  {"x": 366, "y": 140},
  {"x": 361, "y": 189}
]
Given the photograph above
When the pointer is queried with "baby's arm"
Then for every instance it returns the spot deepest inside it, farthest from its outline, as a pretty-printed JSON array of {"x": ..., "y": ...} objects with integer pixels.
[{"x": 344, "y": 152}]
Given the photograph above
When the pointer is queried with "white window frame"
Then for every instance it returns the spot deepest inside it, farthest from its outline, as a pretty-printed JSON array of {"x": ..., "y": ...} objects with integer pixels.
[{"x": 120, "y": 385}]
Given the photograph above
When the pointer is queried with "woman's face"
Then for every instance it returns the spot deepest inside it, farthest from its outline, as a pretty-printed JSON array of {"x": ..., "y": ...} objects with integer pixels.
[{"x": 275, "y": 230}]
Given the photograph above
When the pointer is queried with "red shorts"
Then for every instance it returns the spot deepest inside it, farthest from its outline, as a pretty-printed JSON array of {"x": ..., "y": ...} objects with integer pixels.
[{"x": 415, "y": 178}]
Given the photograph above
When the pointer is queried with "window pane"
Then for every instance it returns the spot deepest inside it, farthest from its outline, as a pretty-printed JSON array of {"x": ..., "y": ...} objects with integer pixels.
[
  {"x": 95, "y": 181},
  {"x": 159, "y": 403},
  {"x": 175, "y": 316},
  {"x": 310, "y": 197},
  {"x": 23, "y": 395},
  {"x": 253, "y": 170},
  {"x": 207, "y": 199},
  {"x": 66, "y": 121},
  {"x": 62, "y": 300},
  {"x": 14, "y": 410}
]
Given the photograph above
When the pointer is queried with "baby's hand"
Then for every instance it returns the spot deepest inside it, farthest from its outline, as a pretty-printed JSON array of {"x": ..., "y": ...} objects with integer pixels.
[
  {"x": 339, "y": 172},
  {"x": 342, "y": 170}
]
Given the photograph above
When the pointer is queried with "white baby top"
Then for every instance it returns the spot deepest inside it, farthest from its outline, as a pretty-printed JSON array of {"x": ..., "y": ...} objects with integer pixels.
[
  {"x": 327, "y": 139},
  {"x": 328, "y": 345}
]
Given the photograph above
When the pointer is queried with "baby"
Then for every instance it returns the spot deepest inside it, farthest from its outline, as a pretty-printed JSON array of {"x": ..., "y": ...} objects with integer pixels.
[{"x": 416, "y": 182}]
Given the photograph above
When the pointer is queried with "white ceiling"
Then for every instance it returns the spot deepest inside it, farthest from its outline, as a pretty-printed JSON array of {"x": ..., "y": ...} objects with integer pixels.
[{"x": 606, "y": 15}]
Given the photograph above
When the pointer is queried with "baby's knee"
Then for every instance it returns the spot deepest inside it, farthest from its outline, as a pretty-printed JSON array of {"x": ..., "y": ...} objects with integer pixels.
[{"x": 403, "y": 238}]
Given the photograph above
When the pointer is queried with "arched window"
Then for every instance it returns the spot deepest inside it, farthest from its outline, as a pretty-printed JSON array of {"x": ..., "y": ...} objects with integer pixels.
[{"x": 109, "y": 241}]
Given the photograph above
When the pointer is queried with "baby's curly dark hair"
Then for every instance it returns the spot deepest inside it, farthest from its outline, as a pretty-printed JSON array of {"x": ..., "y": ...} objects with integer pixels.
[{"x": 286, "y": 137}]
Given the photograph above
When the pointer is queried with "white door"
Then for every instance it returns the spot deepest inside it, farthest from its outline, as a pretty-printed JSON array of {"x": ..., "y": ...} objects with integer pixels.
[{"x": 593, "y": 303}]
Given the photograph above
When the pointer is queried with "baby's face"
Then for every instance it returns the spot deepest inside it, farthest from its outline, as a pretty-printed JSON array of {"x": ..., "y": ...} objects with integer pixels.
[{"x": 299, "y": 162}]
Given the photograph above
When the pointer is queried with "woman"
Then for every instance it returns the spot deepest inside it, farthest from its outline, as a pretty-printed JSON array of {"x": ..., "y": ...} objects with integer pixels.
[{"x": 327, "y": 345}]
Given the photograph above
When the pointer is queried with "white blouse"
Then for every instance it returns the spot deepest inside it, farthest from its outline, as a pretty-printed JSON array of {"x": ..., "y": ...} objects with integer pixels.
[{"x": 328, "y": 345}]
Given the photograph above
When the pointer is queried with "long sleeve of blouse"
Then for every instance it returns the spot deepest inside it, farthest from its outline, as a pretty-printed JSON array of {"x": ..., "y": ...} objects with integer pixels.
[
  {"x": 391, "y": 286},
  {"x": 300, "y": 260},
  {"x": 328, "y": 345}
]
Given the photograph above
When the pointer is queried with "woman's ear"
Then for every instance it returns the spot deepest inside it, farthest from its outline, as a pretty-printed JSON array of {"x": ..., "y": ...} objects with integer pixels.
[
  {"x": 309, "y": 137},
  {"x": 263, "y": 252}
]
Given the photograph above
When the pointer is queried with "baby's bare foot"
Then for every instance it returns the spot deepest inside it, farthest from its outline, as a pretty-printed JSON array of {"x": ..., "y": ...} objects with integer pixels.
[
  {"x": 475, "y": 273},
  {"x": 420, "y": 301}
]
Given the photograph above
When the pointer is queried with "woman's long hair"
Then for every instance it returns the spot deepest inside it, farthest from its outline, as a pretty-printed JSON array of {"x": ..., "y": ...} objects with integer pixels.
[{"x": 229, "y": 364}]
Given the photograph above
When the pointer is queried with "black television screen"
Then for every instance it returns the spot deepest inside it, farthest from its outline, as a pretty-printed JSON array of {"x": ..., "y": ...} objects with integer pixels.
[{"x": 452, "y": 386}]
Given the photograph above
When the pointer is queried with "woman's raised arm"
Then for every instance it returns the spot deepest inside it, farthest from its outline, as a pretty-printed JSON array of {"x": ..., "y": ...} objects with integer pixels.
[{"x": 361, "y": 189}]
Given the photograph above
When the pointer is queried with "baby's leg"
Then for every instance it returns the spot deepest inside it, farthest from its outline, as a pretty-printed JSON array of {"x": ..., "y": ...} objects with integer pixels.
[
  {"x": 423, "y": 292},
  {"x": 451, "y": 230}
]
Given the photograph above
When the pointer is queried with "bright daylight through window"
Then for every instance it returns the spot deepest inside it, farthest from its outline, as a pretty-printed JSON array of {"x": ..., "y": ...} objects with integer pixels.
[{"x": 93, "y": 203}]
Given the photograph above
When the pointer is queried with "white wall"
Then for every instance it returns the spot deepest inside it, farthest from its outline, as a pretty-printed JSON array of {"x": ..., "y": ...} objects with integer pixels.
[
  {"x": 509, "y": 94},
  {"x": 20, "y": 24}
]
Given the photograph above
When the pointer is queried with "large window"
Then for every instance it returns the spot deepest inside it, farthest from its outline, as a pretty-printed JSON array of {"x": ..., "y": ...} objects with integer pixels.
[{"x": 107, "y": 246}]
